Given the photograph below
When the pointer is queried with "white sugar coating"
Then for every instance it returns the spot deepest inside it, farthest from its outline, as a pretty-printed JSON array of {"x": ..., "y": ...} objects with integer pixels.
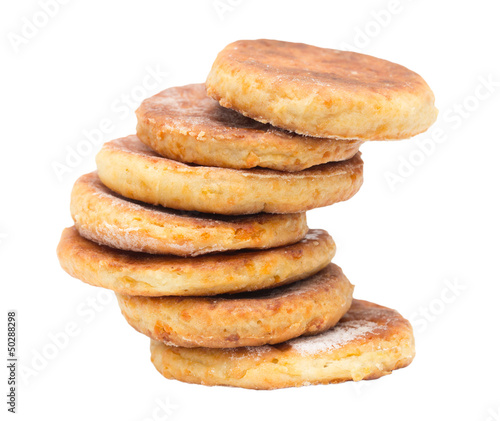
[
  {"x": 116, "y": 237},
  {"x": 130, "y": 239},
  {"x": 335, "y": 338},
  {"x": 313, "y": 234},
  {"x": 188, "y": 108}
]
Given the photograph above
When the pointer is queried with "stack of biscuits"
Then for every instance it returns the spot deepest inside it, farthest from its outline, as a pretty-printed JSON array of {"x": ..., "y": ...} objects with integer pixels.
[{"x": 198, "y": 223}]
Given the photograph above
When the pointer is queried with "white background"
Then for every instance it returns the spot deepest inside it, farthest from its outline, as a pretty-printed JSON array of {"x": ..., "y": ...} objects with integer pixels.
[{"x": 427, "y": 246}]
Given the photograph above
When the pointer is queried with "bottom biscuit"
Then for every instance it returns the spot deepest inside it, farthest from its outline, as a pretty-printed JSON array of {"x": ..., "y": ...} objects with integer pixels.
[{"x": 370, "y": 341}]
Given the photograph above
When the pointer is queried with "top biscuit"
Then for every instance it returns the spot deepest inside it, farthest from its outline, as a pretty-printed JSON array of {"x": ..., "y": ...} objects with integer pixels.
[{"x": 321, "y": 92}]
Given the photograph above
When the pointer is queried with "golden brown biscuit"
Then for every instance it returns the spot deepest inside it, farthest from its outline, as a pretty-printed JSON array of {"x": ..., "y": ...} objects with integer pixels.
[
  {"x": 370, "y": 341},
  {"x": 321, "y": 92},
  {"x": 107, "y": 218},
  {"x": 186, "y": 125},
  {"x": 270, "y": 316},
  {"x": 133, "y": 170},
  {"x": 133, "y": 273}
]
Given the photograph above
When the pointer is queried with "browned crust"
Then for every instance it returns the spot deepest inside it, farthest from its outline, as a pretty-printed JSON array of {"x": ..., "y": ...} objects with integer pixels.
[
  {"x": 133, "y": 273},
  {"x": 103, "y": 216},
  {"x": 321, "y": 92},
  {"x": 184, "y": 124},
  {"x": 306, "y": 307}
]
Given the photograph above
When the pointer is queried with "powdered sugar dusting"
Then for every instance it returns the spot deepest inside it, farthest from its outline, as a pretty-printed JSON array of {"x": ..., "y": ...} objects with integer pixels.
[
  {"x": 314, "y": 235},
  {"x": 131, "y": 239},
  {"x": 335, "y": 338}
]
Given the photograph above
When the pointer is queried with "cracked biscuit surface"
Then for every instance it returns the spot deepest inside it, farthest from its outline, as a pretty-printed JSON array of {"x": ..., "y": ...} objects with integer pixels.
[
  {"x": 105, "y": 217},
  {"x": 135, "y": 171},
  {"x": 370, "y": 341},
  {"x": 134, "y": 273},
  {"x": 321, "y": 92},
  {"x": 186, "y": 125},
  {"x": 269, "y": 316}
]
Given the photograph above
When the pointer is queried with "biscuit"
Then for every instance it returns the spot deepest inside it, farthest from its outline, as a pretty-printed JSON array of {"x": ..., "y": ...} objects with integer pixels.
[
  {"x": 103, "y": 216},
  {"x": 134, "y": 273},
  {"x": 321, "y": 92},
  {"x": 269, "y": 316},
  {"x": 370, "y": 341},
  {"x": 186, "y": 125},
  {"x": 133, "y": 170}
]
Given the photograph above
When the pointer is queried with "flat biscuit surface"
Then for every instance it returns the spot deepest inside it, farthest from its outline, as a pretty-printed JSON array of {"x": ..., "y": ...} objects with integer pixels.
[
  {"x": 321, "y": 92},
  {"x": 134, "y": 273},
  {"x": 103, "y": 216},
  {"x": 269, "y": 316},
  {"x": 186, "y": 125},
  {"x": 133, "y": 170},
  {"x": 370, "y": 341}
]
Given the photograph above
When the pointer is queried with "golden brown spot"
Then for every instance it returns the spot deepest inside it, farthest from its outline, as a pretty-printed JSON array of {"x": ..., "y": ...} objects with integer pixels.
[{"x": 185, "y": 316}]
